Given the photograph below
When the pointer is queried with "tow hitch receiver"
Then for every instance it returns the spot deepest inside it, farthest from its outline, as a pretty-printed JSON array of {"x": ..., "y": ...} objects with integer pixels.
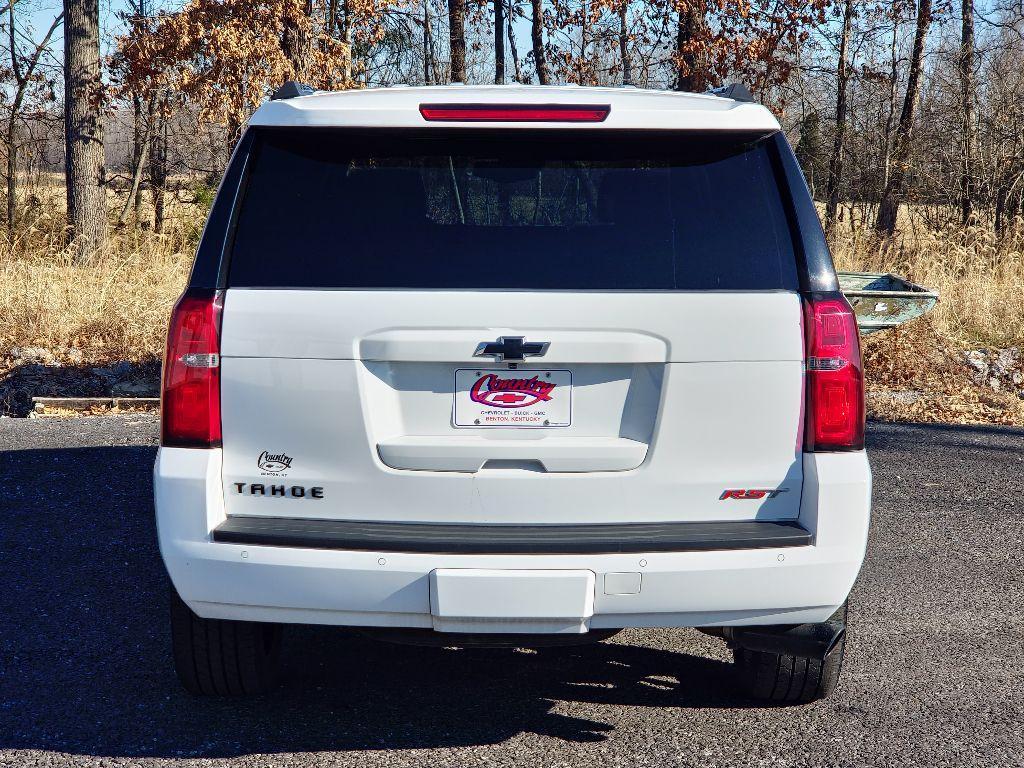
[{"x": 808, "y": 640}]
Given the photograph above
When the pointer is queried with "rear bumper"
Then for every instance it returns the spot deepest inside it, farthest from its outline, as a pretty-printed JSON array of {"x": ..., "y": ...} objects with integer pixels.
[
  {"x": 449, "y": 539},
  {"x": 787, "y": 582}
]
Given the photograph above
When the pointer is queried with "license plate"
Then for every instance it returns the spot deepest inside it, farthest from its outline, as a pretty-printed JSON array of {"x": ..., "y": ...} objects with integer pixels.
[{"x": 507, "y": 398}]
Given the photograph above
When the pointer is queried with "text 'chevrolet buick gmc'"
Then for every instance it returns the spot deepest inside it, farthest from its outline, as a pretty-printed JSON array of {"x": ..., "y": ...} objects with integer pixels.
[{"x": 513, "y": 366}]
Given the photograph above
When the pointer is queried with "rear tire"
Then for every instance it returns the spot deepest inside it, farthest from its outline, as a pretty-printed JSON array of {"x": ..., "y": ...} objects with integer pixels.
[
  {"x": 216, "y": 657},
  {"x": 779, "y": 678}
]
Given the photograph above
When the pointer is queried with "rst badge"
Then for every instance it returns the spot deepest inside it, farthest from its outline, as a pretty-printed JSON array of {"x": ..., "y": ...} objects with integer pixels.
[
  {"x": 512, "y": 398},
  {"x": 752, "y": 493}
]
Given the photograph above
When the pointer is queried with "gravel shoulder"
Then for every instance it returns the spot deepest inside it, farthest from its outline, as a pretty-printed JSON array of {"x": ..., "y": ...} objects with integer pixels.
[{"x": 933, "y": 671}]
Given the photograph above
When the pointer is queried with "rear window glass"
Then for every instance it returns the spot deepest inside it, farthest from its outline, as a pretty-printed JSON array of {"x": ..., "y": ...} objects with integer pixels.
[{"x": 511, "y": 210}]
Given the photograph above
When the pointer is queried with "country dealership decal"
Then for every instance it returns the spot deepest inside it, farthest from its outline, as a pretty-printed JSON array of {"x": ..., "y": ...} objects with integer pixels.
[{"x": 492, "y": 390}]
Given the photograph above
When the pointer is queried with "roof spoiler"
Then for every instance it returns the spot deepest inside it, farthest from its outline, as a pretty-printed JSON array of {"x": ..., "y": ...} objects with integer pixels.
[
  {"x": 734, "y": 91},
  {"x": 290, "y": 90}
]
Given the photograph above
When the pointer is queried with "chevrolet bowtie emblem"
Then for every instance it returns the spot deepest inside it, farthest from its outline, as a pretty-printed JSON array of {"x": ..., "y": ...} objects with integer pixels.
[{"x": 511, "y": 348}]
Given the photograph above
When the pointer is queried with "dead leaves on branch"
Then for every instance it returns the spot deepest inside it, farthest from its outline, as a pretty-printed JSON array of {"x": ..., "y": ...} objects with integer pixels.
[{"x": 224, "y": 56}]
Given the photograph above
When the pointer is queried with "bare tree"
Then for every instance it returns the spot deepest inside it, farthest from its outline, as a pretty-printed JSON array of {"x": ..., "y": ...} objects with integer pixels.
[
  {"x": 158, "y": 162},
  {"x": 297, "y": 42},
  {"x": 691, "y": 26},
  {"x": 83, "y": 127},
  {"x": 345, "y": 32},
  {"x": 499, "y": 42},
  {"x": 895, "y": 189},
  {"x": 428, "y": 45},
  {"x": 457, "y": 39},
  {"x": 537, "y": 39},
  {"x": 835, "y": 165},
  {"x": 890, "y": 106},
  {"x": 965, "y": 70},
  {"x": 141, "y": 142},
  {"x": 627, "y": 63},
  {"x": 140, "y": 131},
  {"x": 23, "y": 70},
  {"x": 510, "y": 32}
]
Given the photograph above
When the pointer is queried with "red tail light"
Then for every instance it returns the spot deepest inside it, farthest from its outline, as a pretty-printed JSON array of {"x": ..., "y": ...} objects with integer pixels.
[
  {"x": 835, "y": 376},
  {"x": 515, "y": 113},
  {"x": 190, "y": 399}
]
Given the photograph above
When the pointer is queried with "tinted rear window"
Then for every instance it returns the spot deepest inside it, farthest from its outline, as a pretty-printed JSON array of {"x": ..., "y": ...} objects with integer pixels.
[{"x": 511, "y": 210}]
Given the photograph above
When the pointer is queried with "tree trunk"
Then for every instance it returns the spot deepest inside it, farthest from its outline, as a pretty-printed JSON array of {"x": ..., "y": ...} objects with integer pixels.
[
  {"x": 510, "y": 32},
  {"x": 537, "y": 38},
  {"x": 139, "y": 148},
  {"x": 135, "y": 193},
  {"x": 1000, "y": 209},
  {"x": 296, "y": 40},
  {"x": 141, "y": 151},
  {"x": 835, "y": 165},
  {"x": 895, "y": 189},
  {"x": 887, "y": 143},
  {"x": 457, "y": 38},
  {"x": 690, "y": 70},
  {"x": 83, "y": 127},
  {"x": 140, "y": 137},
  {"x": 583, "y": 62},
  {"x": 499, "y": 42},
  {"x": 158, "y": 171},
  {"x": 428, "y": 45},
  {"x": 965, "y": 65},
  {"x": 345, "y": 34},
  {"x": 627, "y": 64},
  {"x": 12, "y": 175},
  {"x": 12, "y": 122}
]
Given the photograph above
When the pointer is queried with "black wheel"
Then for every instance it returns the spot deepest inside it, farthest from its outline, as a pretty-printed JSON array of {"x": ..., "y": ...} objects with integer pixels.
[
  {"x": 215, "y": 657},
  {"x": 780, "y": 678}
]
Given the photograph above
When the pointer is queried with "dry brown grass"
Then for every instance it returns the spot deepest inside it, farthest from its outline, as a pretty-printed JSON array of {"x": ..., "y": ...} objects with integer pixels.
[
  {"x": 980, "y": 278},
  {"x": 115, "y": 307}
]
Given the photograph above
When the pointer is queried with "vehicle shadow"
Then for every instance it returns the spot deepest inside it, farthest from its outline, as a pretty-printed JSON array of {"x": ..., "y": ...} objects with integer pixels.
[{"x": 86, "y": 668}]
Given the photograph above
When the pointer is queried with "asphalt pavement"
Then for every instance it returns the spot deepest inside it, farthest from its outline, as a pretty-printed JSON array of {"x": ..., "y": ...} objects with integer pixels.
[{"x": 933, "y": 674}]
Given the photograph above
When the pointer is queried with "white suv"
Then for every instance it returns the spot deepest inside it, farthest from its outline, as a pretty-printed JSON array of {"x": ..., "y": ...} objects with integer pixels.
[{"x": 512, "y": 366}]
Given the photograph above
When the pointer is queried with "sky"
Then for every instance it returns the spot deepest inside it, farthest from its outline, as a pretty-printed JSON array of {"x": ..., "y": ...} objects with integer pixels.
[{"x": 40, "y": 14}]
